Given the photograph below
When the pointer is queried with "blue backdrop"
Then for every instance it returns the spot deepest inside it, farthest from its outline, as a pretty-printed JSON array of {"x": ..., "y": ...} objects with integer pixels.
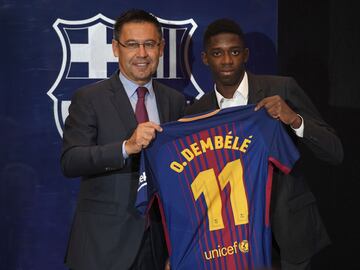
[{"x": 48, "y": 49}]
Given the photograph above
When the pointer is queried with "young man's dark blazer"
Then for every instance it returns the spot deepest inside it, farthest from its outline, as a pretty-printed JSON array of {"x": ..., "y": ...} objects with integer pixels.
[
  {"x": 296, "y": 223},
  {"x": 107, "y": 230}
]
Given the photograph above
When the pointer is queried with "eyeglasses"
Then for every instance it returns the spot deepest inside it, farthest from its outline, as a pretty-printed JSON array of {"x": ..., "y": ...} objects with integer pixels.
[{"x": 135, "y": 45}]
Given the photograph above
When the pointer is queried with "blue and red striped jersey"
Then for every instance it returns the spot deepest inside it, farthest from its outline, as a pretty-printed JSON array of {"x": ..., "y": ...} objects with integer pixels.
[{"x": 212, "y": 175}]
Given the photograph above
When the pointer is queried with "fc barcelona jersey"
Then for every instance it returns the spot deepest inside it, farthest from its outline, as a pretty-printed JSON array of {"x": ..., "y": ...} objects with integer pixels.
[{"x": 212, "y": 175}]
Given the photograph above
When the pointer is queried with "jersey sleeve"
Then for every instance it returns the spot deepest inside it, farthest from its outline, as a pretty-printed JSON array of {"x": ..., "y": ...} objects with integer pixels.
[
  {"x": 144, "y": 191},
  {"x": 283, "y": 153}
]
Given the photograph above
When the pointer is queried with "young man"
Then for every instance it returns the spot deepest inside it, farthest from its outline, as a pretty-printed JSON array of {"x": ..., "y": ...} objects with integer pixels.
[
  {"x": 296, "y": 223},
  {"x": 109, "y": 123}
]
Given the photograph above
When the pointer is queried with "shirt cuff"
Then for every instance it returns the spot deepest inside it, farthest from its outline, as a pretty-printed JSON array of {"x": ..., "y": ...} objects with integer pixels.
[
  {"x": 300, "y": 130},
  {"x": 125, "y": 155}
]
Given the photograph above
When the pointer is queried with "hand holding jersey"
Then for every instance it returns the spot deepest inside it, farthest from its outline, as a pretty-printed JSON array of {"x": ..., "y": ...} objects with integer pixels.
[
  {"x": 278, "y": 109},
  {"x": 141, "y": 138}
]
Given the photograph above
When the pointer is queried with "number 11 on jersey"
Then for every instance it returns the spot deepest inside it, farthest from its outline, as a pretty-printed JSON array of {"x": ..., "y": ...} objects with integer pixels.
[{"x": 206, "y": 183}]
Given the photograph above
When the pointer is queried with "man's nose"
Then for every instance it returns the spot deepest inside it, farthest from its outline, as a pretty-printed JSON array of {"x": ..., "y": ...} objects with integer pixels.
[
  {"x": 227, "y": 58},
  {"x": 142, "y": 50}
]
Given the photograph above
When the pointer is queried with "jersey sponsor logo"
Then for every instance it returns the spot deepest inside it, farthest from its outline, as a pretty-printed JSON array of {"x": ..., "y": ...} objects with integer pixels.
[
  {"x": 142, "y": 181},
  {"x": 223, "y": 251},
  {"x": 87, "y": 55}
]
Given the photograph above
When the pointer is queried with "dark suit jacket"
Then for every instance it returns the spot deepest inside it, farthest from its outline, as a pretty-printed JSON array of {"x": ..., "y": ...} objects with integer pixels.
[
  {"x": 296, "y": 223},
  {"x": 107, "y": 230}
]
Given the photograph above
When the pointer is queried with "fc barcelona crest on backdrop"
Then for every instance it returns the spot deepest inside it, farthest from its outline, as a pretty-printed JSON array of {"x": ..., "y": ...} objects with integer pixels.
[{"x": 87, "y": 57}]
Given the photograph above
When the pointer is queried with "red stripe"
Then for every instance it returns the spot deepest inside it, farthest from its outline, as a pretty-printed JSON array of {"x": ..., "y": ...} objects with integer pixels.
[
  {"x": 268, "y": 194},
  {"x": 281, "y": 166}
]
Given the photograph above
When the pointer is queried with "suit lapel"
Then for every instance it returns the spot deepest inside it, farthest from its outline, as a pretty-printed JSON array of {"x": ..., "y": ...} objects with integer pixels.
[
  {"x": 211, "y": 99},
  {"x": 256, "y": 92},
  {"x": 122, "y": 103}
]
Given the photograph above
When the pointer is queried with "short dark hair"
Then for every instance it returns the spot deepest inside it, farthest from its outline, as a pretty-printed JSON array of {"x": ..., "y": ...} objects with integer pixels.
[
  {"x": 136, "y": 16},
  {"x": 221, "y": 26}
]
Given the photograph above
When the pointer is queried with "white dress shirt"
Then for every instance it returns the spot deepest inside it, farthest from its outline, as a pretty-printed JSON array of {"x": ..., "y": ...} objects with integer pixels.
[{"x": 239, "y": 98}]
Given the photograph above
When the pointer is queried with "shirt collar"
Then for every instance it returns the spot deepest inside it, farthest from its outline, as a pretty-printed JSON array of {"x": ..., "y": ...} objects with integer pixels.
[
  {"x": 130, "y": 87},
  {"x": 243, "y": 90}
]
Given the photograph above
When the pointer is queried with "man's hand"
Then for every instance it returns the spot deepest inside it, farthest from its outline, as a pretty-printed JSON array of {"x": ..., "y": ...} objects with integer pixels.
[
  {"x": 167, "y": 264},
  {"x": 141, "y": 138},
  {"x": 278, "y": 109}
]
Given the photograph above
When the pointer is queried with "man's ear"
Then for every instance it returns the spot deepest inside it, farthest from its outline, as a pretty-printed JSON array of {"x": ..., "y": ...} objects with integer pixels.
[
  {"x": 162, "y": 46},
  {"x": 115, "y": 47},
  {"x": 246, "y": 55},
  {"x": 204, "y": 58}
]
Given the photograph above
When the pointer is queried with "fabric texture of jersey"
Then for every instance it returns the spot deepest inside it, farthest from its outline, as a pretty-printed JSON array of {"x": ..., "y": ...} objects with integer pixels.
[{"x": 212, "y": 175}]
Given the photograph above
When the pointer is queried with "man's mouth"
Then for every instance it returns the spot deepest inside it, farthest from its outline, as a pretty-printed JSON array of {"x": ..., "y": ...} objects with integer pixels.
[
  {"x": 141, "y": 65},
  {"x": 227, "y": 71}
]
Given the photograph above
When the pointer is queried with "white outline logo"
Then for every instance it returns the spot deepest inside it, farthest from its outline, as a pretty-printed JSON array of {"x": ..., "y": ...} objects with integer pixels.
[{"x": 97, "y": 54}]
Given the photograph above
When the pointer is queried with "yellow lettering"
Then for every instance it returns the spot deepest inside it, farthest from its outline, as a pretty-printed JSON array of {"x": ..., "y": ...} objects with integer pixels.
[
  {"x": 206, "y": 257},
  {"x": 176, "y": 166},
  {"x": 187, "y": 154},
  {"x": 223, "y": 251},
  {"x": 245, "y": 145},
  {"x": 215, "y": 251},
  {"x": 235, "y": 144},
  {"x": 219, "y": 142},
  {"x": 228, "y": 141},
  {"x": 230, "y": 250},
  {"x": 206, "y": 145},
  {"x": 235, "y": 245},
  {"x": 195, "y": 148}
]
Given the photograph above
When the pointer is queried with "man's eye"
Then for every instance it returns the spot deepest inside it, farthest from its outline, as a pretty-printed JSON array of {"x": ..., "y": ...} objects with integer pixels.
[
  {"x": 216, "y": 53},
  {"x": 150, "y": 45},
  {"x": 235, "y": 53},
  {"x": 132, "y": 45}
]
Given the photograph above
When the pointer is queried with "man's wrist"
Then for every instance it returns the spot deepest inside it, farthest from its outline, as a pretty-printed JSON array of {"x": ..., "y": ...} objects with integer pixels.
[
  {"x": 299, "y": 131},
  {"x": 296, "y": 123}
]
